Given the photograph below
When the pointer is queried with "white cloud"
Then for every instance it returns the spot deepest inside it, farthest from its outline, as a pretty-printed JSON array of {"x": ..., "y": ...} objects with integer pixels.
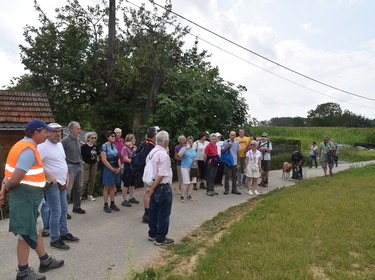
[{"x": 308, "y": 27}]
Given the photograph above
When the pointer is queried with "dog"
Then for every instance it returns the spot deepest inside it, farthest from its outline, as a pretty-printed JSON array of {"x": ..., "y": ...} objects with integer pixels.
[{"x": 286, "y": 170}]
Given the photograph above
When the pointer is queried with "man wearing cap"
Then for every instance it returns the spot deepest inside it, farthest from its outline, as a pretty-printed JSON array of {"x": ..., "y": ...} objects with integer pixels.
[
  {"x": 56, "y": 170},
  {"x": 326, "y": 153},
  {"x": 25, "y": 180},
  {"x": 265, "y": 147},
  {"x": 243, "y": 141},
  {"x": 72, "y": 148}
]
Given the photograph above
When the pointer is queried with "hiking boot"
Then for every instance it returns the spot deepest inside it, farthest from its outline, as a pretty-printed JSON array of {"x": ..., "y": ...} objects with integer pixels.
[
  {"x": 45, "y": 233},
  {"x": 210, "y": 194},
  {"x": 166, "y": 242},
  {"x": 265, "y": 185},
  {"x": 215, "y": 193},
  {"x": 79, "y": 211},
  {"x": 261, "y": 183},
  {"x": 69, "y": 237},
  {"x": 236, "y": 192},
  {"x": 126, "y": 203},
  {"x": 114, "y": 207},
  {"x": 59, "y": 244},
  {"x": 226, "y": 192},
  {"x": 50, "y": 263},
  {"x": 133, "y": 201},
  {"x": 29, "y": 274},
  {"x": 107, "y": 209}
]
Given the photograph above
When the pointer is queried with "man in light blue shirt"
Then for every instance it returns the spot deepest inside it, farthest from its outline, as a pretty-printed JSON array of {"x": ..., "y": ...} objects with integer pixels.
[{"x": 233, "y": 146}]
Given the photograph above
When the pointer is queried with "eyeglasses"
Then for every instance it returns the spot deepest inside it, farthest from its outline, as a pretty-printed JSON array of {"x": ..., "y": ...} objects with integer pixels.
[
  {"x": 112, "y": 135},
  {"x": 93, "y": 137},
  {"x": 252, "y": 145}
]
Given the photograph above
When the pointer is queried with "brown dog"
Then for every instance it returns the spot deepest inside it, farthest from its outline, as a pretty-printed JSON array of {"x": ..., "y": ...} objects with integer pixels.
[{"x": 286, "y": 170}]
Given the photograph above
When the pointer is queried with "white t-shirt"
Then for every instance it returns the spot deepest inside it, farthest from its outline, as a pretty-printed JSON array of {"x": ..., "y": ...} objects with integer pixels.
[
  {"x": 200, "y": 148},
  {"x": 53, "y": 158},
  {"x": 253, "y": 158},
  {"x": 264, "y": 144},
  {"x": 219, "y": 144}
]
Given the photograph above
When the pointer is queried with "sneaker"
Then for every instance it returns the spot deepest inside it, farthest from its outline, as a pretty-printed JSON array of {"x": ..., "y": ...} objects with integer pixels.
[
  {"x": 107, "y": 209},
  {"x": 50, "y": 263},
  {"x": 126, "y": 203},
  {"x": 256, "y": 192},
  {"x": 149, "y": 238},
  {"x": 166, "y": 242},
  {"x": 189, "y": 197},
  {"x": 215, "y": 193},
  {"x": 114, "y": 207},
  {"x": 69, "y": 237},
  {"x": 91, "y": 198},
  {"x": 68, "y": 217},
  {"x": 133, "y": 201},
  {"x": 210, "y": 193},
  {"x": 182, "y": 199},
  {"x": 79, "y": 211},
  {"x": 59, "y": 244},
  {"x": 29, "y": 273},
  {"x": 45, "y": 233},
  {"x": 236, "y": 192},
  {"x": 250, "y": 192},
  {"x": 265, "y": 185},
  {"x": 225, "y": 192}
]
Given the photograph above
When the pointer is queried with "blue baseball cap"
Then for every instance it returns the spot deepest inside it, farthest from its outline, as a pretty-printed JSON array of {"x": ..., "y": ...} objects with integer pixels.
[{"x": 36, "y": 124}]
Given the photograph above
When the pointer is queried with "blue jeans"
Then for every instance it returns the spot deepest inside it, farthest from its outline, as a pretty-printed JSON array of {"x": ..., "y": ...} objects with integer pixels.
[
  {"x": 75, "y": 184},
  {"x": 160, "y": 210},
  {"x": 58, "y": 207},
  {"x": 45, "y": 215},
  {"x": 313, "y": 158},
  {"x": 227, "y": 170}
]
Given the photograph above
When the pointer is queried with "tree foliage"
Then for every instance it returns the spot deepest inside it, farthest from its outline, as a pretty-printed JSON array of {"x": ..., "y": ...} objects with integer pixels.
[{"x": 156, "y": 79}]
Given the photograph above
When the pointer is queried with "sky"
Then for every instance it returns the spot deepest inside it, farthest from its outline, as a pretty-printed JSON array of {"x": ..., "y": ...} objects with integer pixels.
[{"x": 331, "y": 41}]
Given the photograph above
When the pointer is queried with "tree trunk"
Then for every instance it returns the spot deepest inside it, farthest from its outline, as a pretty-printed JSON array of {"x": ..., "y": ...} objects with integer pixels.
[
  {"x": 150, "y": 103},
  {"x": 111, "y": 49}
]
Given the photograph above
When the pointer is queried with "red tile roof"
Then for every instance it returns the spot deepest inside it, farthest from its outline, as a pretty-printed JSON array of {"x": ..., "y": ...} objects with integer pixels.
[{"x": 21, "y": 107}]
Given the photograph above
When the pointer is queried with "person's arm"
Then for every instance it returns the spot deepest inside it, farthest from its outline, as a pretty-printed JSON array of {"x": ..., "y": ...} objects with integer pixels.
[
  {"x": 50, "y": 178},
  {"x": 182, "y": 152},
  {"x": 246, "y": 161},
  {"x": 157, "y": 181},
  {"x": 107, "y": 164},
  {"x": 227, "y": 146}
]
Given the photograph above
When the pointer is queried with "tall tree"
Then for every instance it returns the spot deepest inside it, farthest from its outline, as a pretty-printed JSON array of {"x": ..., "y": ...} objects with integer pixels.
[{"x": 327, "y": 114}]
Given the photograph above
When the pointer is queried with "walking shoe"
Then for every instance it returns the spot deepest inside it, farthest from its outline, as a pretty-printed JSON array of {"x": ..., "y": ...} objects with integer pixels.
[
  {"x": 265, "y": 185},
  {"x": 225, "y": 192},
  {"x": 215, "y": 193},
  {"x": 50, "y": 263},
  {"x": 133, "y": 201},
  {"x": 261, "y": 183},
  {"x": 210, "y": 194},
  {"x": 45, "y": 233},
  {"x": 115, "y": 208},
  {"x": 126, "y": 203},
  {"x": 107, "y": 209},
  {"x": 68, "y": 217},
  {"x": 69, "y": 237},
  {"x": 182, "y": 199},
  {"x": 189, "y": 197},
  {"x": 202, "y": 186},
  {"x": 149, "y": 238},
  {"x": 79, "y": 210},
  {"x": 195, "y": 186},
  {"x": 250, "y": 192},
  {"x": 59, "y": 244},
  {"x": 236, "y": 192},
  {"x": 29, "y": 273},
  {"x": 256, "y": 192},
  {"x": 144, "y": 219},
  {"x": 91, "y": 198},
  {"x": 166, "y": 242}
]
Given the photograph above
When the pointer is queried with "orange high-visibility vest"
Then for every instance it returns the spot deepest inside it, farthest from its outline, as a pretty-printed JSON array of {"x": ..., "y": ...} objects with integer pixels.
[{"x": 35, "y": 176}]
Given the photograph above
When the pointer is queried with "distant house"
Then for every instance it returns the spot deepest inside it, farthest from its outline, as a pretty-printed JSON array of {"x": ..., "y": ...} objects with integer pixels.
[{"x": 16, "y": 110}]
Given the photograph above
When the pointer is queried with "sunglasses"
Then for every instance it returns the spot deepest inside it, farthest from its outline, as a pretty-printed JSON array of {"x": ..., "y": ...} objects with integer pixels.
[
  {"x": 112, "y": 135},
  {"x": 252, "y": 145},
  {"x": 93, "y": 137}
]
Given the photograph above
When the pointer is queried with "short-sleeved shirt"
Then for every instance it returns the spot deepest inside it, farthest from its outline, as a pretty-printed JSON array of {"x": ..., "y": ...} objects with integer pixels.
[
  {"x": 188, "y": 157},
  {"x": 233, "y": 149},
  {"x": 325, "y": 148},
  {"x": 243, "y": 141},
  {"x": 268, "y": 145},
  {"x": 253, "y": 158},
  {"x": 126, "y": 151},
  {"x": 211, "y": 150},
  {"x": 89, "y": 153},
  {"x": 27, "y": 157},
  {"x": 176, "y": 151},
  {"x": 119, "y": 143},
  {"x": 161, "y": 164}
]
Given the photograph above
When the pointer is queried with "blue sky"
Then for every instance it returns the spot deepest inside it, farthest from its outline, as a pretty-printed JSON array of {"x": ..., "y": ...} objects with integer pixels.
[{"x": 332, "y": 41}]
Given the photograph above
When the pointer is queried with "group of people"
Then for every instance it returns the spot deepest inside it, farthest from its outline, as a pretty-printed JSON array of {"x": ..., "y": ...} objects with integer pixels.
[{"x": 43, "y": 166}]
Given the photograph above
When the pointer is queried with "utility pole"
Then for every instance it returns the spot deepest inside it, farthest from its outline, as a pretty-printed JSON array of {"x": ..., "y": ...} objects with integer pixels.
[{"x": 111, "y": 48}]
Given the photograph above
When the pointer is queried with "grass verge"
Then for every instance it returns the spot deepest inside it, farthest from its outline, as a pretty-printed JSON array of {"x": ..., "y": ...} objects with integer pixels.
[{"x": 322, "y": 228}]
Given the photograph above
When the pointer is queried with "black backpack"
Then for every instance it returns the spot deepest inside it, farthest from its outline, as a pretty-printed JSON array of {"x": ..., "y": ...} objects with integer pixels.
[{"x": 138, "y": 160}]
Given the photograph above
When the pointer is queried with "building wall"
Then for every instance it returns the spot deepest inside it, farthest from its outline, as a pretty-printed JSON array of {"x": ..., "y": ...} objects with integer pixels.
[{"x": 7, "y": 140}]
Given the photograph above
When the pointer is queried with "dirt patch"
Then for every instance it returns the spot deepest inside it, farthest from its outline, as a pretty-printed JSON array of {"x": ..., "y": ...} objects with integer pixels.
[{"x": 318, "y": 273}]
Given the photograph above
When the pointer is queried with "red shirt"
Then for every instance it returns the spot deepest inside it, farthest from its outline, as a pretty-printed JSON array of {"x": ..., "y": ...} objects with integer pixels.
[{"x": 211, "y": 150}]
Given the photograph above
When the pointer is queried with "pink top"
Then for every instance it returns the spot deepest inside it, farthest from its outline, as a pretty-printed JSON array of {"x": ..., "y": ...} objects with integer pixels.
[
  {"x": 161, "y": 164},
  {"x": 119, "y": 145}
]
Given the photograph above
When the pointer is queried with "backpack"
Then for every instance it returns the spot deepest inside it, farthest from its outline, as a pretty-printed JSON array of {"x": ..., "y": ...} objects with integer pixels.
[
  {"x": 138, "y": 160},
  {"x": 295, "y": 173}
]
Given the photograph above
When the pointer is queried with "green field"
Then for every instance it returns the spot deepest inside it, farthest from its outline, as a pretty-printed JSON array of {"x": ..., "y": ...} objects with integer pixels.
[{"x": 321, "y": 228}]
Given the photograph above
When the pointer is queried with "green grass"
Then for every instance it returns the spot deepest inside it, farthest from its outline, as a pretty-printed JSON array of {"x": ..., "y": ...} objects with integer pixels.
[{"x": 322, "y": 228}]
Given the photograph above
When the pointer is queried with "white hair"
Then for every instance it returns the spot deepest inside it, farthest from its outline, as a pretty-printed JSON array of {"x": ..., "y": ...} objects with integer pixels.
[{"x": 162, "y": 137}]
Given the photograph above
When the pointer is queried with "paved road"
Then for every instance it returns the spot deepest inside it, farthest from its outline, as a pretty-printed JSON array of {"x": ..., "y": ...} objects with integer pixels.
[{"x": 107, "y": 240}]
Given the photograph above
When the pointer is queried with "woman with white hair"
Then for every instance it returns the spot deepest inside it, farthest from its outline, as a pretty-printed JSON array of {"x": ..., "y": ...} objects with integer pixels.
[
  {"x": 89, "y": 152},
  {"x": 188, "y": 157},
  {"x": 253, "y": 163}
]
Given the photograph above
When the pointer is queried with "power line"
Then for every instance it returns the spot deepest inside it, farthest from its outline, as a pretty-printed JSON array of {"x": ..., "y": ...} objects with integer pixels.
[
  {"x": 266, "y": 70},
  {"x": 261, "y": 56}
]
